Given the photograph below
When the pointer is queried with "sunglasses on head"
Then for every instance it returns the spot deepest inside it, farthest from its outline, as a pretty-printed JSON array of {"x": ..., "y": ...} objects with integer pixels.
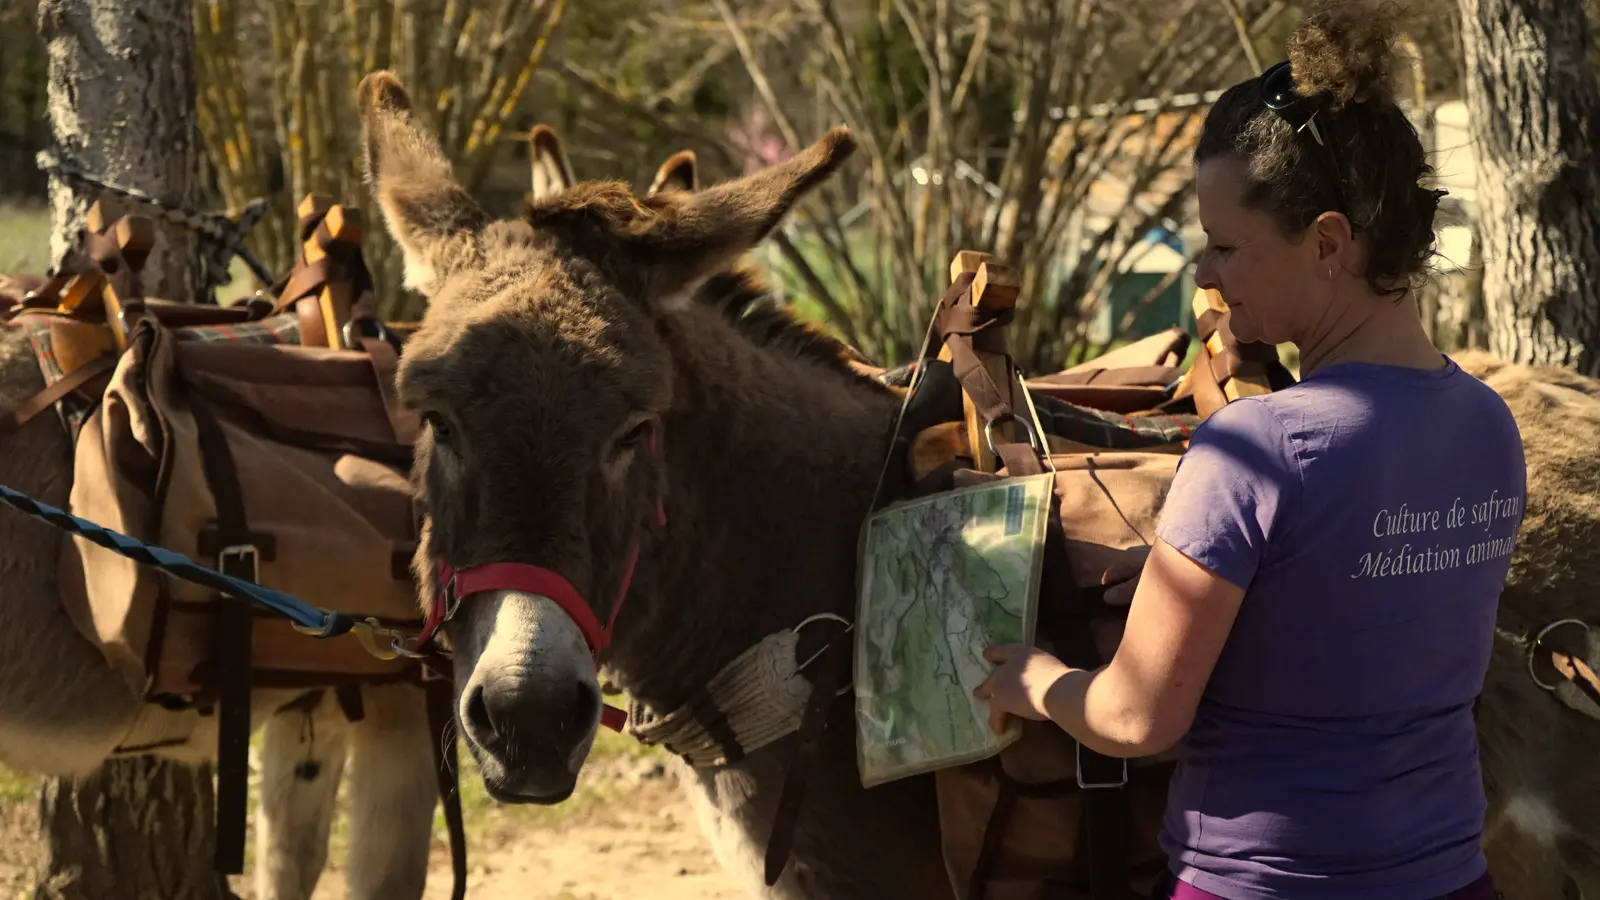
[{"x": 1279, "y": 95}]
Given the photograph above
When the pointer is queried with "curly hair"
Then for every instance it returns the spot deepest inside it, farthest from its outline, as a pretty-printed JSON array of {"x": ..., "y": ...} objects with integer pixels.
[{"x": 1341, "y": 57}]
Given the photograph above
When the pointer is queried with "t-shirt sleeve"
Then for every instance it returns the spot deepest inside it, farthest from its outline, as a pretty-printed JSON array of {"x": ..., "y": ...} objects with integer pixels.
[{"x": 1235, "y": 488}]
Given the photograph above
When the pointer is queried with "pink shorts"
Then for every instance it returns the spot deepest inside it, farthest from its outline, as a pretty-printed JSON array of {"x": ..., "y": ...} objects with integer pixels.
[{"x": 1482, "y": 889}]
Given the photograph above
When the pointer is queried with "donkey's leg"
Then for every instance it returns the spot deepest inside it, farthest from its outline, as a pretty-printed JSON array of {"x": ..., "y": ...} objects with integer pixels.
[
  {"x": 302, "y": 756},
  {"x": 62, "y": 707},
  {"x": 391, "y": 795}
]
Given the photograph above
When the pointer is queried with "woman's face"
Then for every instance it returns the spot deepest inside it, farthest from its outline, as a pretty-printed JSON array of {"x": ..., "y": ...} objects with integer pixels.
[{"x": 1278, "y": 287}]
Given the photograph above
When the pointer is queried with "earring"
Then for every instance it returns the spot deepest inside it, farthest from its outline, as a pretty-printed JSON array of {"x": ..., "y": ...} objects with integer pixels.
[{"x": 1330, "y": 273}]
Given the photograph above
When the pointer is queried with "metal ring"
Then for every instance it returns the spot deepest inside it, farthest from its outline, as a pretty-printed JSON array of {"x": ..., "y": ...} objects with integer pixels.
[
  {"x": 452, "y": 601},
  {"x": 379, "y": 331},
  {"x": 1538, "y": 639},
  {"x": 1033, "y": 436},
  {"x": 848, "y": 627},
  {"x": 819, "y": 617}
]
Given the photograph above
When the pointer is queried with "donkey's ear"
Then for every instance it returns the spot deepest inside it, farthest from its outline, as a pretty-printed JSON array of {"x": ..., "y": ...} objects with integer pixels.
[
  {"x": 678, "y": 173},
  {"x": 682, "y": 239},
  {"x": 434, "y": 220},
  {"x": 552, "y": 171}
]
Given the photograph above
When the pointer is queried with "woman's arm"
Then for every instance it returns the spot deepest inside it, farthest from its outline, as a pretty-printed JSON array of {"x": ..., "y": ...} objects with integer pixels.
[
  {"x": 1238, "y": 482},
  {"x": 1143, "y": 701}
]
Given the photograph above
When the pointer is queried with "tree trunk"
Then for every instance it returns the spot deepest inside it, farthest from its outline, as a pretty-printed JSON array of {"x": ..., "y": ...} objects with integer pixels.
[
  {"x": 122, "y": 111},
  {"x": 121, "y": 102},
  {"x": 1534, "y": 104},
  {"x": 139, "y": 829}
]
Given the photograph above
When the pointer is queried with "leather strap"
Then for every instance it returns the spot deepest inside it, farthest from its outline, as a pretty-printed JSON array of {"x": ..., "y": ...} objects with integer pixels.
[
  {"x": 439, "y": 696},
  {"x": 1020, "y": 460},
  {"x": 348, "y": 696},
  {"x": 1226, "y": 366},
  {"x": 836, "y": 660},
  {"x": 173, "y": 314},
  {"x": 233, "y": 624},
  {"x": 1005, "y": 802},
  {"x": 308, "y": 315},
  {"x": 1575, "y": 670},
  {"x": 304, "y": 280},
  {"x": 974, "y": 377},
  {"x": 1139, "y": 376},
  {"x": 41, "y": 401},
  {"x": 1105, "y": 809},
  {"x": 1009, "y": 790},
  {"x": 385, "y": 361}
]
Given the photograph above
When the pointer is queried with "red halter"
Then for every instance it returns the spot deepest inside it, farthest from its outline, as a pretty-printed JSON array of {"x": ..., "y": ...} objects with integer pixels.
[{"x": 457, "y": 584}]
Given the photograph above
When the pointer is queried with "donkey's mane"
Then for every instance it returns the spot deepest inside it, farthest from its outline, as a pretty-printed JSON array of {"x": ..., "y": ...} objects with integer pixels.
[{"x": 741, "y": 295}]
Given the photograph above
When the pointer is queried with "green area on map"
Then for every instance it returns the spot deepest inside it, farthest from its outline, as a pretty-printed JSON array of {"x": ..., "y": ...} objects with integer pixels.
[{"x": 942, "y": 578}]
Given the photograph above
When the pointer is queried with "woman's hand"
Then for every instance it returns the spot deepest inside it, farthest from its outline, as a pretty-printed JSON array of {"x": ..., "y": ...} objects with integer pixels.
[{"x": 1018, "y": 684}]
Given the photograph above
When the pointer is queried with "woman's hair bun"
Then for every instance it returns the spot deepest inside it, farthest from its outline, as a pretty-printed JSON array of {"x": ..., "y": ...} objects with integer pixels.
[{"x": 1343, "y": 50}]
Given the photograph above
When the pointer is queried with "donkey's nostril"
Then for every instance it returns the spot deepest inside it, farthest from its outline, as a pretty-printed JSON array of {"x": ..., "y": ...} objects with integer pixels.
[
  {"x": 480, "y": 723},
  {"x": 585, "y": 702}
]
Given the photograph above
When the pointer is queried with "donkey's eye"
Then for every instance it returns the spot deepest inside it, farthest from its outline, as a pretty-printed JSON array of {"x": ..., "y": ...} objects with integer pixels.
[
  {"x": 636, "y": 435},
  {"x": 437, "y": 424}
]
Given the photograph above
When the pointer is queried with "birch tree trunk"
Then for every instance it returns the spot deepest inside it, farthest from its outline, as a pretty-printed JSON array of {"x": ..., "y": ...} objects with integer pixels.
[
  {"x": 1534, "y": 104},
  {"x": 121, "y": 105}
]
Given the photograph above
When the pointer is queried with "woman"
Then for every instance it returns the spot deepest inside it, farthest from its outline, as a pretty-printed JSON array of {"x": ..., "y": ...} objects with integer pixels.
[{"x": 1315, "y": 618}]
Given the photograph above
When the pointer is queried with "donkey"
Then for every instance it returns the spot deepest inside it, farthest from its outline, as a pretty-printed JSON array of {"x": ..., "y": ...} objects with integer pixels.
[
  {"x": 589, "y": 301},
  {"x": 64, "y": 709},
  {"x": 573, "y": 373}
]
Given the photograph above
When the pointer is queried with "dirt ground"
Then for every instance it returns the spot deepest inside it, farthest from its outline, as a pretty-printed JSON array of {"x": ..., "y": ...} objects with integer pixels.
[{"x": 628, "y": 833}]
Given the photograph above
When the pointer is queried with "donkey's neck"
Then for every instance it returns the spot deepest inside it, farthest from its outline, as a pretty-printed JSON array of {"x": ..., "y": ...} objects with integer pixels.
[{"x": 773, "y": 459}]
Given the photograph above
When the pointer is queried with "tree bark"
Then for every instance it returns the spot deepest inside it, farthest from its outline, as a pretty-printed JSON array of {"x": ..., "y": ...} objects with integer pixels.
[
  {"x": 121, "y": 92},
  {"x": 138, "y": 829},
  {"x": 1534, "y": 104}
]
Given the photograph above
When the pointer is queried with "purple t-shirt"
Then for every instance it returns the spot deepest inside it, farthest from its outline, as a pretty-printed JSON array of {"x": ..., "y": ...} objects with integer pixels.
[{"x": 1370, "y": 513}]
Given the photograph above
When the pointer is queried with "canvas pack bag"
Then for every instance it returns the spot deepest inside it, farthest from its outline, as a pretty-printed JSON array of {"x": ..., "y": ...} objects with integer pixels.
[
  {"x": 282, "y": 464},
  {"x": 1045, "y": 817}
]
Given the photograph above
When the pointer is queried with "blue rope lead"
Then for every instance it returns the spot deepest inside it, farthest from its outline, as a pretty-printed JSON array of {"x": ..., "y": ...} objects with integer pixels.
[{"x": 311, "y": 619}]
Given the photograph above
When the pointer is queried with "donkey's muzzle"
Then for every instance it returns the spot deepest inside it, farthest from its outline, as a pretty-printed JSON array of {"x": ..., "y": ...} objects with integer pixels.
[{"x": 535, "y": 735}]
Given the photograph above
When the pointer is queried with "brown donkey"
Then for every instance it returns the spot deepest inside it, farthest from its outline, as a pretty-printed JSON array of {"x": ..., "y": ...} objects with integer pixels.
[
  {"x": 569, "y": 383},
  {"x": 578, "y": 379}
]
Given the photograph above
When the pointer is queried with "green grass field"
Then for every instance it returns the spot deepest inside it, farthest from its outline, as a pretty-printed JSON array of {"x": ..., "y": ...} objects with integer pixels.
[
  {"x": 25, "y": 248},
  {"x": 24, "y": 238}
]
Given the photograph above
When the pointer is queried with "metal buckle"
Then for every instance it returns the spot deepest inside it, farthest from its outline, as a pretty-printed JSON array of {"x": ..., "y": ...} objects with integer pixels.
[
  {"x": 242, "y": 551},
  {"x": 452, "y": 600},
  {"x": 1096, "y": 785},
  {"x": 1033, "y": 436}
]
